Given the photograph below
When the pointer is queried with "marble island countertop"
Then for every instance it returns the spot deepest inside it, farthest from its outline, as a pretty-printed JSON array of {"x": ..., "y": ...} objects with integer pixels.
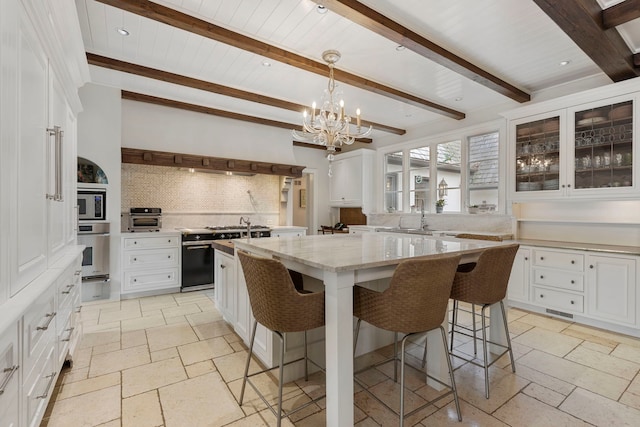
[{"x": 343, "y": 252}]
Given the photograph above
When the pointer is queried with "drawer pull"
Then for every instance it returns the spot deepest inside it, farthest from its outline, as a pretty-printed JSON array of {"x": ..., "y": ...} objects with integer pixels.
[
  {"x": 572, "y": 302},
  {"x": 49, "y": 384},
  {"x": 70, "y": 330},
  {"x": 573, "y": 262},
  {"x": 223, "y": 266},
  {"x": 541, "y": 296},
  {"x": 135, "y": 280},
  {"x": 169, "y": 276},
  {"x": 68, "y": 289},
  {"x": 526, "y": 258},
  {"x": 135, "y": 259},
  {"x": 541, "y": 276},
  {"x": 572, "y": 282},
  {"x": 45, "y": 327},
  {"x": 169, "y": 240},
  {"x": 591, "y": 266},
  {"x": 541, "y": 258},
  {"x": 9, "y": 371},
  {"x": 169, "y": 256},
  {"x": 135, "y": 242}
]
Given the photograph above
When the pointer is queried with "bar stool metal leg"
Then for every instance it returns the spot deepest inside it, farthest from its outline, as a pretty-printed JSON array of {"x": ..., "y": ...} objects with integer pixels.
[
  {"x": 506, "y": 331},
  {"x": 281, "y": 377},
  {"x": 484, "y": 349},
  {"x": 453, "y": 381},
  {"x": 246, "y": 368}
]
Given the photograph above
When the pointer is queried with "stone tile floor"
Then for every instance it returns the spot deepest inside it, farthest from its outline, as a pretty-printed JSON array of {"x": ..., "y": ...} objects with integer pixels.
[{"x": 172, "y": 361}]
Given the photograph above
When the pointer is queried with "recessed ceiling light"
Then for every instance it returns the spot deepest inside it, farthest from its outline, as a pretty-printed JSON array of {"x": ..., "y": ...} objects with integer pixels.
[
  {"x": 266, "y": 64},
  {"x": 563, "y": 63},
  {"x": 400, "y": 48},
  {"x": 321, "y": 9},
  {"x": 122, "y": 31}
]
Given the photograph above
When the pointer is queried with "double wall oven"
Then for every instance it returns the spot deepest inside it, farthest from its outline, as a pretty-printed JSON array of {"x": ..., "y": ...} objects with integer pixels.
[
  {"x": 95, "y": 259},
  {"x": 198, "y": 253}
]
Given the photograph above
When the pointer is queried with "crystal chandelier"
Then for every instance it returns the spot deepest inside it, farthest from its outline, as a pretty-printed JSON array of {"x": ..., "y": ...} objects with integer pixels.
[{"x": 330, "y": 127}]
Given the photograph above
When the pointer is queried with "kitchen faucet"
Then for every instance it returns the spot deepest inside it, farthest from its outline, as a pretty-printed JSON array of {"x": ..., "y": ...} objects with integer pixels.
[
  {"x": 248, "y": 222},
  {"x": 423, "y": 225}
]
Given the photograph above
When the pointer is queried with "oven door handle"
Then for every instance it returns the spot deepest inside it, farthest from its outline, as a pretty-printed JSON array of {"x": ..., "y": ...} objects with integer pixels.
[{"x": 190, "y": 248}]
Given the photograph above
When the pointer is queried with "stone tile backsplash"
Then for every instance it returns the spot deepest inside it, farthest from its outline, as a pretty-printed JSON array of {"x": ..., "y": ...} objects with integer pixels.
[{"x": 200, "y": 198}]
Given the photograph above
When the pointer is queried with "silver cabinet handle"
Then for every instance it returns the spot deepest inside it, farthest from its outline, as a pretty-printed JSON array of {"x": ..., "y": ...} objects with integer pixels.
[
  {"x": 9, "y": 371},
  {"x": 57, "y": 132},
  {"x": 190, "y": 248},
  {"x": 49, "y": 384},
  {"x": 70, "y": 330},
  {"x": 68, "y": 289},
  {"x": 45, "y": 327},
  {"x": 223, "y": 266}
]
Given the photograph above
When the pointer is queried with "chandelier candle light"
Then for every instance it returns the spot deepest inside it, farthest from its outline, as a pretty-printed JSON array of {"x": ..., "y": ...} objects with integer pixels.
[{"x": 330, "y": 127}]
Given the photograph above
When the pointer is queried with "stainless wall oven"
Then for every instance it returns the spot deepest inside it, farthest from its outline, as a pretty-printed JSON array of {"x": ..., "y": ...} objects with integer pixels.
[
  {"x": 95, "y": 260},
  {"x": 92, "y": 204}
]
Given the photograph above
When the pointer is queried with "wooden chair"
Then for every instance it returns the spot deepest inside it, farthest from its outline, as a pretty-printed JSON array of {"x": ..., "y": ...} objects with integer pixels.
[
  {"x": 484, "y": 285},
  {"x": 414, "y": 304},
  {"x": 278, "y": 306}
]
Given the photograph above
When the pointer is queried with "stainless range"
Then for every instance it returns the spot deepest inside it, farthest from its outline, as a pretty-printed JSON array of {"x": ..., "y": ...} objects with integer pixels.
[{"x": 198, "y": 253}]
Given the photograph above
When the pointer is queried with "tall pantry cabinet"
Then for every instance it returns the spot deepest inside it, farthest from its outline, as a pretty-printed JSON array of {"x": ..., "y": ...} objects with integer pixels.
[{"x": 42, "y": 65}]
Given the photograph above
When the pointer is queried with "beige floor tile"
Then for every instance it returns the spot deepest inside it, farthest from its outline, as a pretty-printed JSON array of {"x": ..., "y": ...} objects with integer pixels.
[
  {"x": 231, "y": 366},
  {"x": 543, "y": 394},
  {"x": 549, "y": 323},
  {"x": 69, "y": 376},
  {"x": 207, "y": 305},
  {"x": 213, "y": 329},
  {"x": 77, "y": 388},
  {"x": 118, "y": 360},
  {"x": 503, "y": 385},
  {"x": 189, "y": 403},
  {"x": 81, "y": 358},
  {"x": 603, "y": 362},
  {"x": 177, "y": 320},
  {"x": 152, "y": 313},
  {"x": 133, "y": 338},
  {"x": 91, "y": 339},
  {"x": 142, "y": 323},
  {"x": 630, "y": 399},
  {"x": 200, "y": 368},
  {"x": 604, "y": 349},
  {"x": 148, "y": 304},
  {"x": 203, "y": 350},
  {"x": 598, "y": 410},
  {"x": 106, "y": 348},
  {"x": 382, "y": 415},
  {"x": 544, "y": 380},
  {"x": 318, "y": 419},
  {"x": 101, "y": 327},
  {"x": 167, "y": 353},
  {"x": 602, "y": 336},
  {"x": 142, "y": 410},
  {"x": 181, "y": 310},
  {"x": 515, "y": 313},
  {"x": 97, "y": 306},
  {"x": 518, "y": 328},
  {"x": 548, "y": 341},
  {"x": 112, "y": 423},
  {"x": 523, "y": 410},
  {"x": 88, "y": 409},
  {"x": 574, "y": 373},
  {"x": 204, "y": 317},
  {"x": 627, "y": 352},
  {"x": 170, "y": 336},
  {"x": 117, "y": 315},
  {"x": 152, "y": 376},
  {"x": 471, "y": 416}
]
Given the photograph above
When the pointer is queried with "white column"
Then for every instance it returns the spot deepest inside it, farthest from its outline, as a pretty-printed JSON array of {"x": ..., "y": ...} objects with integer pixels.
[{"x": 339, "y": 347}]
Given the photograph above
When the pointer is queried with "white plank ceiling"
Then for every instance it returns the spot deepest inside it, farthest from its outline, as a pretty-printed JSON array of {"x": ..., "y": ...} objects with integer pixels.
[{"x": 512, "y": 39}]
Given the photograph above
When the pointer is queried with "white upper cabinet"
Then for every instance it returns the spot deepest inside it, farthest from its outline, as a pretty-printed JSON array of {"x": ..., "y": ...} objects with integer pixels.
[
  {"x": 351, "y": 184},
  {"x": 582, "y": 146}
]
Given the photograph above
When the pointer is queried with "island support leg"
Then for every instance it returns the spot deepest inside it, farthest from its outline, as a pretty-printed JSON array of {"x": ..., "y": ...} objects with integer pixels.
[{"x": 339, "y": 347}]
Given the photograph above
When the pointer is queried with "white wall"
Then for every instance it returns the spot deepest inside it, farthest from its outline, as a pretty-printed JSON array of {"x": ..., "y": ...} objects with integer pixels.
[{"x": 99, "y": 134}]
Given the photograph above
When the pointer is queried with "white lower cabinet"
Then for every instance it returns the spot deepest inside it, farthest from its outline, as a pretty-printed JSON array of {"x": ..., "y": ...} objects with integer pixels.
[
  {"x": 225, "y": 284},
  {"x": 150, "y": 263},
  {"x": 519, "y": 280},
  {"x": 611, "y": 282},
  {"x": 585, "y": 286},
  {"x": 9, "y": 377}
]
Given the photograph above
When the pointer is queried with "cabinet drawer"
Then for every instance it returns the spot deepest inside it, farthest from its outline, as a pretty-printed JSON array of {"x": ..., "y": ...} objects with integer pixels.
[
  {"x": 559, "y": 279},
  {"x": 151, "y": 242},
  {"x": 39, "y": 386},
  {"x": 39, "y": 328},
  {"x": 149, "y": 280},
  {"x": 565, "y": 260},
  {"x": 9, "y": 370},
  {"x": 151, "y": 258},
  {"x": 558, "y": 299}
]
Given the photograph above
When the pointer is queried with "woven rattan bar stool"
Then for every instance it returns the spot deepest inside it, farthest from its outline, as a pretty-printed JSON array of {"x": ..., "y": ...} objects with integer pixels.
[
  {"x": 414, "y": 303},
  {"x": 465, "y": 268},
  {"x": 484, "y": 285},
  {"x": 278, "y": 306}
]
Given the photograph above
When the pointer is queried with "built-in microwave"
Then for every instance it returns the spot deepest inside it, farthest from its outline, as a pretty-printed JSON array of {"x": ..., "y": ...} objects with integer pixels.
[{"x": 92, "y": 204}]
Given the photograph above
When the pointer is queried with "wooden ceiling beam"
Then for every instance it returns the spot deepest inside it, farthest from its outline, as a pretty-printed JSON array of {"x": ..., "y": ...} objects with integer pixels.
[
  {"x": 203, "y": 28},
  {"x": 152, "y": 73},
  {"x": 381, "y": 25},
  {"x": 139, "y": 97},
  {"x": 581, "y": 20},
  {"x": 620, "y": 13}
]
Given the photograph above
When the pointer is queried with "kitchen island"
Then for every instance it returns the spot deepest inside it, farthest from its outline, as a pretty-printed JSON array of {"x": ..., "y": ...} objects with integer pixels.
[{"x": 340, "y": 261}]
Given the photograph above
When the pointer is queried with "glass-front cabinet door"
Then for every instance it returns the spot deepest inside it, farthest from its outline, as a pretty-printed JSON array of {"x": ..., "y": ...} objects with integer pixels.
[
  {"x": 603, "y": 153},
  {"x": 539, "y": 155}
]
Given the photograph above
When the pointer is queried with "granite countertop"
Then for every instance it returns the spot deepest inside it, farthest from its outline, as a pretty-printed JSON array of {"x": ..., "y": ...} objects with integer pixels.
[{"x": 593, "y": 247}]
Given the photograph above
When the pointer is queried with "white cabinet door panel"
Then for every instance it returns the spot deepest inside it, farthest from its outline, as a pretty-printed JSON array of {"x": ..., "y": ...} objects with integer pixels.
[{"x": 611, "y": 285}]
